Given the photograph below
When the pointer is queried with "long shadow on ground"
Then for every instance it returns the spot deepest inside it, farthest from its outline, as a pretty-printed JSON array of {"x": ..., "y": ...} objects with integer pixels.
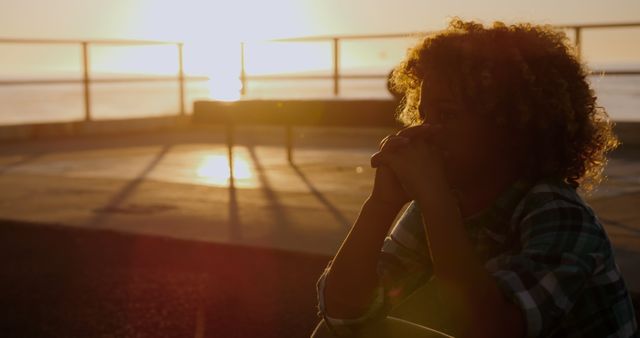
[{"x": 64, "y": 282}]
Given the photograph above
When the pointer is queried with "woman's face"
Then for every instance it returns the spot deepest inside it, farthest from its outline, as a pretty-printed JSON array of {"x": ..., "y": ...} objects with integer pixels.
[{"x": 471, "y": 146}]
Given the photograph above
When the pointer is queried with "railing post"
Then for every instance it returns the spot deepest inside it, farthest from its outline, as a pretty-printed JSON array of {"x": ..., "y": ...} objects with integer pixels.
[
  {"x": 181, "y": 78},
  {"x": 289, "y": 141},
  {"x": 86, "y": 81},
  {"x": 336, "y": 66},
  {"x": 230, "y": 131},
  {"x": 243, "y": 74},
  {"x": 578, "y": 38}
]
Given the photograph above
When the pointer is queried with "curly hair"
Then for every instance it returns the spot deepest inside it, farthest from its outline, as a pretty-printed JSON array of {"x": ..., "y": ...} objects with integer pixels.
[{"x": 528, "y": 80}]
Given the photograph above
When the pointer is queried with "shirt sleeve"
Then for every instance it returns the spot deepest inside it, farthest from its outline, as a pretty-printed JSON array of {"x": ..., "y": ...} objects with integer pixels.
[
  {"x": 561, "y": 245},
  {"x": 403, "y": 265},
  {"x": 405, "y": 262}
]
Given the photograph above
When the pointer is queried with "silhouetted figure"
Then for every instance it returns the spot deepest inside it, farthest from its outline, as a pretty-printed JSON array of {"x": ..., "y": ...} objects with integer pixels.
[{"x": 501, "y": 131}]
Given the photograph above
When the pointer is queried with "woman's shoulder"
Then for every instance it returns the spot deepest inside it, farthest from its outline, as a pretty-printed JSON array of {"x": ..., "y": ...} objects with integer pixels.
[
  {"x": 552, "y": 215},
  {"x": 548, "y": 194}
]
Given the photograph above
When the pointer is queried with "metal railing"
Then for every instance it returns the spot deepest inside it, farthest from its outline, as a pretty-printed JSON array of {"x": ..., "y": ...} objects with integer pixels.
[
  {"x": 336, "y": 40},
  {"x": 335, "y": 75},
  {"x": 87, "y": 80}
]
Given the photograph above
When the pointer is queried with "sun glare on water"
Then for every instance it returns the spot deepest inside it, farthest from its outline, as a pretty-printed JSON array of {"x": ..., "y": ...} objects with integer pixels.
[
  {"x": 213, "y": 33},
  {"x": 224, "y": 87}
]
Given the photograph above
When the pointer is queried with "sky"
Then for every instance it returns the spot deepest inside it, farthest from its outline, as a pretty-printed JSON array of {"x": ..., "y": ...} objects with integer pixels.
[
  {"x": 263, "y": 19},
  {"x": 212, "y": 30}
]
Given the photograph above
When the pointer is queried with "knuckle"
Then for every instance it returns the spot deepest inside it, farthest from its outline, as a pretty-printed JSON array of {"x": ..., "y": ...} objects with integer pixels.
[
  {"x": 384, "y": 140},
  {"x": 404, "y": 131}
]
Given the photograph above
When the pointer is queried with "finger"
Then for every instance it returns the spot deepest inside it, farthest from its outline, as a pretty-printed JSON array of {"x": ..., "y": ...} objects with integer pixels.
[
  {"x": 422, "y": 131},
  {"x": 392, "y": 144},
  {"x": 394, "y": 141},
  {"x": 376, "y": 160},
  {"x": 392, "y": 148},
  {"x": 383, "y": 141},
  {"x": 386, "y": 139},
  {"x": 379, "y": 158}
]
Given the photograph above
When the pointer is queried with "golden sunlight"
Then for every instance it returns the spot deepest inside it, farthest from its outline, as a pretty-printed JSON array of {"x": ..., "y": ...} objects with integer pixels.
[
  {"x": 214, "y": 170},
  {"x": 224, "y": 87},
  {"x": 268, "y": 58},
  {"x": 212, "y": 33}
]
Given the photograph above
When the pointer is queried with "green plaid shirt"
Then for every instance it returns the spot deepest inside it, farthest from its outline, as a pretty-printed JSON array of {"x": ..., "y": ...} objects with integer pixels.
[{"x": 546, "y": 249}]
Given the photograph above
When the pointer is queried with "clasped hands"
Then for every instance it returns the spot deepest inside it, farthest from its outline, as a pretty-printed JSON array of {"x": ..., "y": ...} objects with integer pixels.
[{"x": 414, "y": 159}]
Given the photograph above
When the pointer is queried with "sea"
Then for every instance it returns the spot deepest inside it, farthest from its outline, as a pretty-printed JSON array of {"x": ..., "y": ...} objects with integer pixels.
[{"x": 26, "y": 104}]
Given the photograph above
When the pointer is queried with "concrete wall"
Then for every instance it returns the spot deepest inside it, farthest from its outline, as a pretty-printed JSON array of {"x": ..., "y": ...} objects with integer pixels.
[
  {"x": 371, "y": 113},
  {"x": 87, "y": 128},
  {"x": 330, "y": 113},
  {"x": 343, "y": 113}
]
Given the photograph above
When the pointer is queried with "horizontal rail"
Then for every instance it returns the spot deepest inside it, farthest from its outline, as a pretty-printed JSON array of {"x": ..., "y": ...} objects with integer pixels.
[
  {"x": 76, "y": 42},
  {"x": 351, "y": 37},
  {"x": 615, "y": 72},
  {"x": 315, "y": 77},
  {"x": 601, "y": 25},
  {"x": 385, "y": 76},
  {"x": 249, "y": 77},
  {"x": 108, "y": 80},
  {"x": 422, "y": 33}
]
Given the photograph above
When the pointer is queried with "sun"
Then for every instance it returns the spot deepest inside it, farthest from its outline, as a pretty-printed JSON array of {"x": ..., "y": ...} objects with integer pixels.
[{"x": 212, "y": 33}]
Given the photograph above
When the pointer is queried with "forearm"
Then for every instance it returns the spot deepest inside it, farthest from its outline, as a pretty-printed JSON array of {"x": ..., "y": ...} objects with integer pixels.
[{"x": 353, "y": 278}]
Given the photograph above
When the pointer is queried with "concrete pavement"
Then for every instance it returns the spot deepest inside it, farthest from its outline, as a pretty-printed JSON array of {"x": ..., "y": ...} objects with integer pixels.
[{"x": 176, "y": 184}]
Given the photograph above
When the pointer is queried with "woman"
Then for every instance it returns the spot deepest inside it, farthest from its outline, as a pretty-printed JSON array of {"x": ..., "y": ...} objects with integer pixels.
[{"x": 502, "y": 129}]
